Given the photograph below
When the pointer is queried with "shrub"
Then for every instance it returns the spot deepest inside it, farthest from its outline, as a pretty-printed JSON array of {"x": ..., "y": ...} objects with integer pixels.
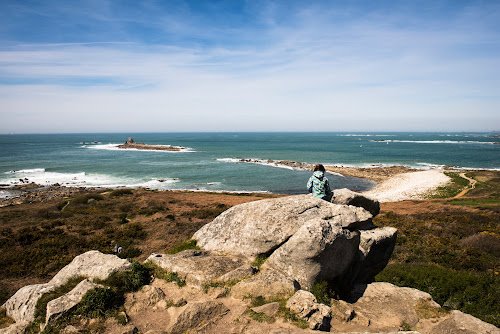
[
  {"x": 322, "y": 292},
  {"x": 121, "y": 192},
  {"x": 96, "y": 302},
  {"x": 471, "y": 292},
  {"x": 130, "y": 280},
  {"x": 84, "y": 199}
]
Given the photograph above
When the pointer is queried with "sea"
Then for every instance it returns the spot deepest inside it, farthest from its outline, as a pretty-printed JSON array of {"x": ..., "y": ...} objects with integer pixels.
[{"x": 212, "y": 161}]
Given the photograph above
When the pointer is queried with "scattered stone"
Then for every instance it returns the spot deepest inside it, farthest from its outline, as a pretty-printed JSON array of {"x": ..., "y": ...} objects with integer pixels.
[
  {"x": 260, "y": 227},
  {"x": 345, "y": 196},
  {"x": 92, "y": 264},
  {"x": 342, "y": 311},
  {"x": 269, "y": 309},
  {"x": 318, "y": 251},
  {"x": 305, "y": 305},
  {"x": 196, "y": 267},
  {"x": 194, "y": 314},
  {"x": 389, "y": 307},
  {"x": 268, "y": 284}
]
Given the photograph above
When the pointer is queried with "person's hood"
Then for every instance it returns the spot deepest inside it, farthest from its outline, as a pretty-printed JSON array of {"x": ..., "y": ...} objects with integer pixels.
[{"x": 319, "y": 174}]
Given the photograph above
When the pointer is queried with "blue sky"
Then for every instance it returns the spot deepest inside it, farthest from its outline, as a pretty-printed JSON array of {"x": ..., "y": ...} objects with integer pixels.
[{"x": 133, "y": 66}]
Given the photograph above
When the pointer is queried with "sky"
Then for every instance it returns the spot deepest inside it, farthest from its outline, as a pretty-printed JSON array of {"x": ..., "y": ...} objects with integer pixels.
[{"x": 163, "y": 66}]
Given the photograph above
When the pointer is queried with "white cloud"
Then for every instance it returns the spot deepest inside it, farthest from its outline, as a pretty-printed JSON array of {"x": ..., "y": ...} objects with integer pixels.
[{"x": 313, "y": 74}]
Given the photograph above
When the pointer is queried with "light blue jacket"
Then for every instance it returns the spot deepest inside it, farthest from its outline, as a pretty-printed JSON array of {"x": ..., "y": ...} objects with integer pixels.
[{"x": 318, "y": 185}]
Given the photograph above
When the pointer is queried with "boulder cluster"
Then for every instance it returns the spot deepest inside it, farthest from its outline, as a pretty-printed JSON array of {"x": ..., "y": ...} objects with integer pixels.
[{"x": 278, "y": 251}]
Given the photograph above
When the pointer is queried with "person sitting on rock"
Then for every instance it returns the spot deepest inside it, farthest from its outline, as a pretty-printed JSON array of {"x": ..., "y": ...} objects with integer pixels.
[{"x": 318, "y": 184}]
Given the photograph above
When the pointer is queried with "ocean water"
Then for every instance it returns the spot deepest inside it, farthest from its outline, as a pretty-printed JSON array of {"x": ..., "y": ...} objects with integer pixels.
[{"x": 211, "y": 162}]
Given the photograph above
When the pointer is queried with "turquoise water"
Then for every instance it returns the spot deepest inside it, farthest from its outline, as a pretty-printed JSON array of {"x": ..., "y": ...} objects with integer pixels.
[{"x": 211, "y": 161}]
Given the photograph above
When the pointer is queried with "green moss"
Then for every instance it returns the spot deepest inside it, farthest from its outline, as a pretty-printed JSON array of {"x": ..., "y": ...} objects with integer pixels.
[{"x": 259, "y": 260}]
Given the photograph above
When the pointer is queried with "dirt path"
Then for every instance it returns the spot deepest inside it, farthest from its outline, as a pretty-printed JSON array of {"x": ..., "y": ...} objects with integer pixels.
[{"x": 472, "y": 185}]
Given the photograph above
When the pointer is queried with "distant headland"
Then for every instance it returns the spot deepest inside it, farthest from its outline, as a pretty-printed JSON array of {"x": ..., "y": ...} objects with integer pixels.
[{"x": 130, "y": 144}]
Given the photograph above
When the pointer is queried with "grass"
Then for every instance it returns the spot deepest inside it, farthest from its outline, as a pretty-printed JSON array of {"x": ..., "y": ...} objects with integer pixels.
[
  {"x": 190, "y": 244},
  {"x": 283, "y": 312},
  {"x": 100, "y": 302},
  {"x": 480, "y": 203},
  {"x": 161, "y": 273},
  {"x": 453, "y": 188}
]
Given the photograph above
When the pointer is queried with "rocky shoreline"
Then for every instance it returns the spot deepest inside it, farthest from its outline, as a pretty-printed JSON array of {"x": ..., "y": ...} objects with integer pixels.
[
  {"x": 31, "y": 193},
  {"x": 130, "y": 144}
]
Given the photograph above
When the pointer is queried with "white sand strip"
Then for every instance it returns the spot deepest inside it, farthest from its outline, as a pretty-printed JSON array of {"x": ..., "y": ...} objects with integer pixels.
[{"x": 406, "y": 186}]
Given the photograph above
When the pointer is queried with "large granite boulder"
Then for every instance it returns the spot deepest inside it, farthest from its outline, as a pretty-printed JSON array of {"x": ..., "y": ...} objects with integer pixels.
[
  {"x": 91, "y": 264},
  {"x": 375, "y": 249},
  {"x": 387, "y": 306},
  {"x": 260, "y": 227},
  {"x": 318, "y": 251},
  {"x": 21, "y": 306},
  {"x": 345, "y": 196},
  {"x": 58, "y": 306}
]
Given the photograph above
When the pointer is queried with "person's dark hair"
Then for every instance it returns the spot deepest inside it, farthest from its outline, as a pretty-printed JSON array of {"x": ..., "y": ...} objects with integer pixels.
[{"x": 319, "y": 167}]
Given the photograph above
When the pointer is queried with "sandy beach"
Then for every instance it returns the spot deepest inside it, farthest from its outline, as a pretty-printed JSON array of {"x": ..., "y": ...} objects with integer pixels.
[{"x": 406, "y": 186}]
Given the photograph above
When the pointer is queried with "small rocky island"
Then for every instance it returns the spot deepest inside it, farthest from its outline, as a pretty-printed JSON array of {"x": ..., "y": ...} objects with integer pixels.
[{"x": 141, "y": 146}]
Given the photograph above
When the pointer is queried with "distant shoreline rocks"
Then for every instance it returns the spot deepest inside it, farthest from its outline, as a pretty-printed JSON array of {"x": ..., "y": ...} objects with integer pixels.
[{"x": 130, "y": 144}]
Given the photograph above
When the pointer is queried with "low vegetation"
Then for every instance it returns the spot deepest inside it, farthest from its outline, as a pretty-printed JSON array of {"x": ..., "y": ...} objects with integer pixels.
[
  {"x": 101, "y": 302},
  {"x": 454, "y": 187},
  {"x": 38, "y": 239},
  {"x": 453, "y": 254}
]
